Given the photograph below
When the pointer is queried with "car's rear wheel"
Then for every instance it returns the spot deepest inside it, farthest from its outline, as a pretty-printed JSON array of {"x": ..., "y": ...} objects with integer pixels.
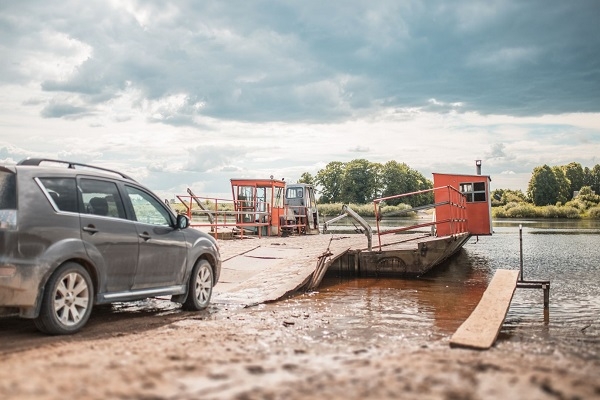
[
  {"x": 67, "y": 301},
  {"x": 200, "y": 287}
]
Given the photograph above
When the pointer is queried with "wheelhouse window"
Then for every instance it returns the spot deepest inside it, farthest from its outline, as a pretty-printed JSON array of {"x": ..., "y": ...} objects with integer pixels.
[
  {"x": 294, "y": 193},
  {"x": 474, "y": 191}
]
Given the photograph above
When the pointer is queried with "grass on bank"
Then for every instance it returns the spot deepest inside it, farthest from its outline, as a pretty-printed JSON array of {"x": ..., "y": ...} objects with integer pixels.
[{"x": 527, "y": 210}]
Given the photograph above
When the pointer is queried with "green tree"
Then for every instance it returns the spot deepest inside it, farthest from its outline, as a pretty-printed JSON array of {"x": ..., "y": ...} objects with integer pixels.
[
  {"x": 575, "y": 174},
  {"x": 329, "y": 180},
  {"x": 595, "y": 179},
  {"x": 377, "y": 172},
  {"x": 501, "y": 197},
  {"x": 306, "y": 178},
  {"x": 396, "y": 179},
  {"x": 422, "y": 184},
  {"x": 587, "y": 177},
  {"x": 399, "y": 178},
  {"x": 543, "y": 188},
  {"x": 564, "y": 193},
  {"x": 359, "y": 181}
]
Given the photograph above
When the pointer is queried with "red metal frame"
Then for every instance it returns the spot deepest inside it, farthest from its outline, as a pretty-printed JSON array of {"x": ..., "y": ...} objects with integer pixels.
[
  {"x": 448, "y": 199},
  {"x": 221, "y": 216}
]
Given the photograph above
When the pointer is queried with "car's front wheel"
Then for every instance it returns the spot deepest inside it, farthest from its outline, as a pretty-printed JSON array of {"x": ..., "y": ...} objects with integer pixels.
[
  {"x": 200, "y": 287},
  {"x": 67, "y": 301}
]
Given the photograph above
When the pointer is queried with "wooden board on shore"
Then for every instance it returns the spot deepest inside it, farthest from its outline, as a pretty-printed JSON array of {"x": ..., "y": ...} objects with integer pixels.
[{"x": 481, "y": 329}]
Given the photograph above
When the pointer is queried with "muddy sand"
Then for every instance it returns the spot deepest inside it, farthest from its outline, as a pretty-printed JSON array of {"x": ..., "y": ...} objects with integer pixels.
[{"x": 153, "y": 350}]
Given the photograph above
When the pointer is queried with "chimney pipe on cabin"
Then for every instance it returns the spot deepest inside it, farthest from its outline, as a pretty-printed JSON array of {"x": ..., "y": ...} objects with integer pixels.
[{"x": 478, "y": 165}]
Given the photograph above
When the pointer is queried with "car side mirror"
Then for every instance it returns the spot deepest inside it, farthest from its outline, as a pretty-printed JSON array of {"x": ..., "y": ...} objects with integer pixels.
[{"x": 182, "y": 221}]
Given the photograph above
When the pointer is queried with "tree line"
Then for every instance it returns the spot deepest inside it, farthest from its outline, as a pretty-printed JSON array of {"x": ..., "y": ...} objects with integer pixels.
[
  {"x": 360, "y": 181},
  {"x": 558, "y": 184}
]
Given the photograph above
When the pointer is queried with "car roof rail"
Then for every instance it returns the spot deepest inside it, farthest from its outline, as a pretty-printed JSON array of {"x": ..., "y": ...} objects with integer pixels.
[{"x": 70, "y": 164}]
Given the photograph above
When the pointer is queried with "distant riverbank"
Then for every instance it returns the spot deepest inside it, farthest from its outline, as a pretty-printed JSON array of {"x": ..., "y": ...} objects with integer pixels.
[{"x": 512, "y": 210}]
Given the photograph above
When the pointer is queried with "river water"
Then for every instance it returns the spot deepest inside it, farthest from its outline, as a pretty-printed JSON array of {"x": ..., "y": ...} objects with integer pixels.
[{"x": 380, "y": 311}]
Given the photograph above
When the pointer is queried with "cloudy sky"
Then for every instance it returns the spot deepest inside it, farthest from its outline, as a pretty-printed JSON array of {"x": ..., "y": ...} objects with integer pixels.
[{"x": 192, "y": 93}]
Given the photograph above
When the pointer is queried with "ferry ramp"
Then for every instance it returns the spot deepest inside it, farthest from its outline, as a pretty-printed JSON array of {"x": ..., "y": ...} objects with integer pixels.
[{"x": 259, "y": 270}]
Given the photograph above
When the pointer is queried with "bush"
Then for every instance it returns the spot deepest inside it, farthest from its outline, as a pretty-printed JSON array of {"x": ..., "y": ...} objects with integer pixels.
[
  {"x": 397, "y": 211},
  {"x": 586, "y": 190},
  {"x": 523, "y": 210},
  {"x": 330, "y": 209},
  {"x": 518, "y": 210},
  {"x": 366, "y": 210},
  {"x": 578, "y": 204},
  {"x": 559, "y": 212},
  {"x": 594, "y": 213},
  {"x": 570, "y": 212},
  {"x": 590, "y": 198}
]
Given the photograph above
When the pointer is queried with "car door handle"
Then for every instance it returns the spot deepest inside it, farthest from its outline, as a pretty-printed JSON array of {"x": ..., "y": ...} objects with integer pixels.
[
  {"x": 145, "y": 236},
  {"x": 90, "y": 228}
]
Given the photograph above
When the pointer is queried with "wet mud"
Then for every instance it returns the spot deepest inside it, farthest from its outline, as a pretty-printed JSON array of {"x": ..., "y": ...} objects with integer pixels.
[{"x": 281, "y": 350}]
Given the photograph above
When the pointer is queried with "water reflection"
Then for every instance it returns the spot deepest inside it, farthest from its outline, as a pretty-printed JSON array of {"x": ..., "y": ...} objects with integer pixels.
[
  {"x": 443, "y": 298},
  {"x": 433, "y": 306}
]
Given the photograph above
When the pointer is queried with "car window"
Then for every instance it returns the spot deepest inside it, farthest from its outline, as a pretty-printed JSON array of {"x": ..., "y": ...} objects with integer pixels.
[
  {"x": 147, "y": 209},
  {"x": 63, "y": 192},
  {"x": 8, "y": 200},
  {"x": 101, "y": 198},
  {"x": 8, "y": 191}
]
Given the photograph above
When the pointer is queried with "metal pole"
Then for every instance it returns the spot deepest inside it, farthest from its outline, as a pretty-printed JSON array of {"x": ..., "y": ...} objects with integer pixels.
[
  {"x": 521, "y": 252},
  {"x": 546, "y": 288}
]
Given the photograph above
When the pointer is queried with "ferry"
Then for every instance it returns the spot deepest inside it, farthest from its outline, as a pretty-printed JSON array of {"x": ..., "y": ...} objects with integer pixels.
[{"x": 271, "y": 207}]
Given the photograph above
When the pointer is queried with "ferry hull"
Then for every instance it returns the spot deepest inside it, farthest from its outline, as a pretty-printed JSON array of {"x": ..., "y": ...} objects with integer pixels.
[{"x": 403, "y": 260}]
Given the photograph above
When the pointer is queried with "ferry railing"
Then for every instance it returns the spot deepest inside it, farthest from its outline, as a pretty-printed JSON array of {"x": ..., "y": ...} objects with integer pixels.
[
  {"x": 226, "y": 213},
  {"x": 448, "y": 199}
]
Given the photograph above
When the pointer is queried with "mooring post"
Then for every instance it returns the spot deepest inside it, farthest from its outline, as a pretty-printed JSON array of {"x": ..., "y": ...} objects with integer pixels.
[
  {"x": 521, "y": 252},
  {"x": 522, "y": 283}
]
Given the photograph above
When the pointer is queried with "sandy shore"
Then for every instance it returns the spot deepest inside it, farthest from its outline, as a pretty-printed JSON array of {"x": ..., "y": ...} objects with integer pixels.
[
  {"x": 153, "y": 350},
  {"x": 162, "y": 353}
]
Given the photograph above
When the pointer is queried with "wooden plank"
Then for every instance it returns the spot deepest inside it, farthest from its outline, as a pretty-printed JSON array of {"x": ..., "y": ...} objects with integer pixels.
[{"x": 481, "y": 329}]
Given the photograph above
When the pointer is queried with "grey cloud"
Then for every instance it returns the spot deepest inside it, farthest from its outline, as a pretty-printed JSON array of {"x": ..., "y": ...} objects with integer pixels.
[
  {"x": 497, "y": 151},
  {"x": 315, "y": 61},
  {"x": 64, "y": 110},
  {"x": 359, "y": 149},
  {"x": 230, "y": 169}
]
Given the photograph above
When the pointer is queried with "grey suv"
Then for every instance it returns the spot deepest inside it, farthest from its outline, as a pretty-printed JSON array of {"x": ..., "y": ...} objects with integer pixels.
[{"x": 74, "y": 235}]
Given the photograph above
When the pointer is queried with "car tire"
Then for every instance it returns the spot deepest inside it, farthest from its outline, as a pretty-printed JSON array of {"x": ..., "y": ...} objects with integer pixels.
[
  {"x": 200, "y": 287},
  {"x": 67, "y": 301}
]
